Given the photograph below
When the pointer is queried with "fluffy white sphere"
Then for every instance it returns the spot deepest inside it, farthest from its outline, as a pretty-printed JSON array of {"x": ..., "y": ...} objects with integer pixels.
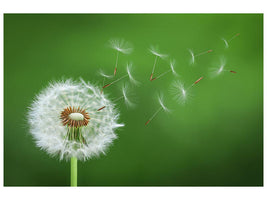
[{"x": 49, "y": 131}]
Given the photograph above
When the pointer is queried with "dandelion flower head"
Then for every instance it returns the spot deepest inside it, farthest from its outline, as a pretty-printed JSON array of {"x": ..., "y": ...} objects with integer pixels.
[{"x": 65, "y": 121}]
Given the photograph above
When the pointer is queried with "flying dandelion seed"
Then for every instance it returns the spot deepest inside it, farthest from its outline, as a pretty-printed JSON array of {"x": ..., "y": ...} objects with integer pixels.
[
  {"x": 155, "y": 51},
  {"x": 193, "y": 55},
  {"x": 233, "y": 37},
  {"x": 220, "y": 69},
  {"x": 172, "y": 63},
  {"x": 125, "y": 96},
  {"x": 226, "y": 42},
  {"x": 105, "y": 76},
  {"x": 128, "y": 74},
  {"x": 181, "y": 94},
  {"x": 162, "y": 107},
  {"x": 121, "y": 47}
]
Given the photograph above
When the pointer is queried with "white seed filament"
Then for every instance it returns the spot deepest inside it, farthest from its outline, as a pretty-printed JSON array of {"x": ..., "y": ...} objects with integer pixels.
[{"x": 76, "y": 116}]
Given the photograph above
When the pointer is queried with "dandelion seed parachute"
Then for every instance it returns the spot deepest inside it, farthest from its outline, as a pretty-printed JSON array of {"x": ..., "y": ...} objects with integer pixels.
[
  {"x": 103, "y": 74},
  {"x": 192, "y": 56},
  {"x": 125, "y": 96},
  {"x": 121, "y": 45},
  {"x": 131, "y": 78},
  {"x": 162, "y": 107},
  {"x": 172, "y": 64},
  {"x": 155, "y": 51},
  {"x": 51, "y": 133},
  {"x": 160, "y": 99},
  {"x": 128, "y": 74},
  {"x": 225, "y": 42},
  {"x": 180, "y": 93},
  {"x": 218, "y": 70}
]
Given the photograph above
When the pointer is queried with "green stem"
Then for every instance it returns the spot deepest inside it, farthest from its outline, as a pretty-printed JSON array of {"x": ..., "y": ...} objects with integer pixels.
[{"x": 73, "y": 172}]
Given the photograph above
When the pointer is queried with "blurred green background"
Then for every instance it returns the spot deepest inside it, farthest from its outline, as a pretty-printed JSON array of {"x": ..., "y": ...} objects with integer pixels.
[{"x": 216, "y": 139}]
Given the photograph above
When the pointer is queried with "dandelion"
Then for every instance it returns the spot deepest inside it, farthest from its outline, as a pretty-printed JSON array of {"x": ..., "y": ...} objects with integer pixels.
[
  {"x": 179, "y": 91},
  {"x": 162, "y": 107},
  {"x": 128, "y": 74},
  {"x": 125, "y": 96},
  {"x": 226, "y": 42},
  {"x": 65, "y": 121},
  {"x": 121, "y": 47},
  {"x": 193, "y": 55},
  {"x": 216, "y": 71},
  {"x": 155, "y": 51},
  {"x": 172, "y": 63},
  {"x": 105, "y": 76},
  {"x": 129, "y": 67}
]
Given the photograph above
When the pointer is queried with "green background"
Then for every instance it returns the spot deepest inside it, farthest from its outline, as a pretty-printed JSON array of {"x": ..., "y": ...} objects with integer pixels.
[{"x": 216, "y": 139}]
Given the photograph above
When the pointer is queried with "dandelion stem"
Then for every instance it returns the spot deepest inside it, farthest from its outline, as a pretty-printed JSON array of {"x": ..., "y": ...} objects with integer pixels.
[
  {"x": 115, "y": 81},
  {"x": 164, "y": 73},
  {"x": 153, "y": 115},
  {"x": 116, "y": 65},
  {"x": 119, "y": 98},
  {"x": 203, "y": 53},
  {"x": 155, "y": 62},
  {"x": 73, "y": 172},
  {"x": 233, "y": 37}
]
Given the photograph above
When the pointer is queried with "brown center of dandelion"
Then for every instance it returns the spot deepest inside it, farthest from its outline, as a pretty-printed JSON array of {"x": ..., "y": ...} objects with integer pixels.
[{"x": 74, "y": 117}]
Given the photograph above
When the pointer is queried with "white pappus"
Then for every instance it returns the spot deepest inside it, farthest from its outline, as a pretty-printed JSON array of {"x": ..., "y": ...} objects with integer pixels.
[{"x": 65, "y": 121}]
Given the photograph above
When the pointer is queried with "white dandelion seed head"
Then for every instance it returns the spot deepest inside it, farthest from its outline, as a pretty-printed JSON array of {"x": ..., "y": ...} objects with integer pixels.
[
  {"x": 49, "y": 131},
  {"x": 180, "y": 93},
  {"x": 155, "y": 51},
  {"x": 161, "y": 102},
  {"x": 128, "y": 69},
  {"x": 121, "y": 45},
  {"x": 192, "y": 56}
]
